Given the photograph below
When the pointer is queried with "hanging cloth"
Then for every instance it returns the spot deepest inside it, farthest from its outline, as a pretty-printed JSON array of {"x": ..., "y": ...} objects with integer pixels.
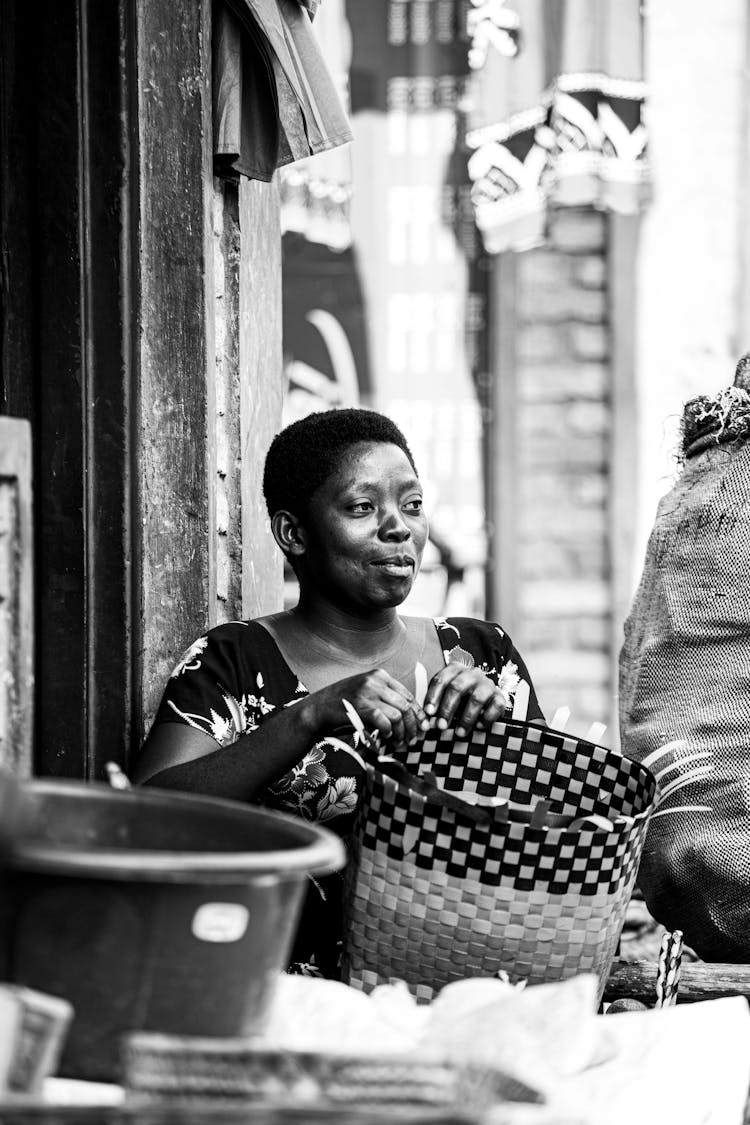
[
  {"x": 556, "y": 113},
  {"x": 274, "y": 100}
]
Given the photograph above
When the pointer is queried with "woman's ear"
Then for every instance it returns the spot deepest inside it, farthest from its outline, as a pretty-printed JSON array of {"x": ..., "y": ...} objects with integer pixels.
[{"x": 288, "y": 533}]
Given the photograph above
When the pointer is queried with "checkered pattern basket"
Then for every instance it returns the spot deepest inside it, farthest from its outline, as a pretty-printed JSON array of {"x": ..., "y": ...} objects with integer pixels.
[{"x": 438, "y": 889}]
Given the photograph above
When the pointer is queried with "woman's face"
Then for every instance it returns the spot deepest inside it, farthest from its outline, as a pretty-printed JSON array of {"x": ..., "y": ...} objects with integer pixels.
[{"x": 365, "y": 530}]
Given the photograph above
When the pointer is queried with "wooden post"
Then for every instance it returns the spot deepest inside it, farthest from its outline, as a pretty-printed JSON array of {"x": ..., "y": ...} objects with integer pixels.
[
  {"x": 261, "y": 387},
  {"x": 64, "y": 357},
  {"x": 249, "y": 386},
  {"x": 16, "y": 598},
  {"x": 17, "y": 212},
  {"x": 105, "y": 405},
  {"x": 227, "y": 426},
  {"x": 175, "y": 511}
]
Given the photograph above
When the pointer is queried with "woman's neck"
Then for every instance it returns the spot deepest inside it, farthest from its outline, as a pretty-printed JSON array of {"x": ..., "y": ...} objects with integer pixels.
[{"x": 360, "y": 636}]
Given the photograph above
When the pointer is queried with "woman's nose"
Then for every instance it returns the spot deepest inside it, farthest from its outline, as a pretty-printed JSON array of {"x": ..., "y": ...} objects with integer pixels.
[{"x": 394, "y": 527}]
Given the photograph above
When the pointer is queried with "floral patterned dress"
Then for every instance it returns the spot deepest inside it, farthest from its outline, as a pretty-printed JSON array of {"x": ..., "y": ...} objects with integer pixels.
[{"x": 233, "y": 679}]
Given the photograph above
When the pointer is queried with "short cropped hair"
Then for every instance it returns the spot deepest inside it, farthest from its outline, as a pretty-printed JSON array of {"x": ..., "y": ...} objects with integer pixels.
[{"x": 305, "y": 454}]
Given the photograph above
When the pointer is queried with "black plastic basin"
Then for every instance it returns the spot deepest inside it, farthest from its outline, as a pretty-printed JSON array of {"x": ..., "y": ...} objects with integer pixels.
[{"x": 152, "y": 910}]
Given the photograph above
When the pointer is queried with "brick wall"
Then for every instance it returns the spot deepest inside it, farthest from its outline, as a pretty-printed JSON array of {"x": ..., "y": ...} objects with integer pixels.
[{"x": 563, "y": 426}]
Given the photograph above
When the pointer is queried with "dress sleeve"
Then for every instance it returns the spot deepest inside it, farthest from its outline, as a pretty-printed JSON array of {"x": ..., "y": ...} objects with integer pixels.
[
  {"x": 512, "y": 659},
  {"x": 225, "y": 684},
  {"x": 493, "y": 651}
]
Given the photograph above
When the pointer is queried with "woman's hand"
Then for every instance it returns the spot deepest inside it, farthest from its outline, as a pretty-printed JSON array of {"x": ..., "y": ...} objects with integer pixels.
[
  {"x": 464, "y": 698},
  {"x": 382, "y": 703}
]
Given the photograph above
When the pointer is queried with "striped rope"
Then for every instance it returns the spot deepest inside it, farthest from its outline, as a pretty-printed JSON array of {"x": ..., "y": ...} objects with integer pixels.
[{"x": 668, "y": 972}]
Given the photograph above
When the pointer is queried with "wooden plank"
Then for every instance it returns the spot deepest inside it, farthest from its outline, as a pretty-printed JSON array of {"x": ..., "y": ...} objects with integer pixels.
[
  {"x": 16, "y": 598},
  {"x": 500, "y": 446},
  {"x": 106, "y": 376},
  {"x": 175, "y": 346},
  {"x": 60, "y": 557},
  {"x": 698, "y": 981},
  {"x": 227, "y": 431},
  {"x": 623, "y": 495},
  {"x": 65, "y": 358},
  {"x": 261, "y": 388},
  {"x": 17, "y": 335}
]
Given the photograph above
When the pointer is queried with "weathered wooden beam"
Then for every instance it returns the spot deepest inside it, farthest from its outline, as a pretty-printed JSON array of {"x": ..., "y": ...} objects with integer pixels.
[
  {"x": 16, "y": 598},
  {"x": 65, "y": 367},
  {"x": 226, "y": 598},
  {"x": 107, "y": 281},
  {"x": 17, "y": 210},
  {"x": 698, "y": 981},
  {"x": 249, "y": 388},
  {"x": 175, "y": 342},
  {"x": 58, "y": 430},
  {"x": 261, "y": 387}
]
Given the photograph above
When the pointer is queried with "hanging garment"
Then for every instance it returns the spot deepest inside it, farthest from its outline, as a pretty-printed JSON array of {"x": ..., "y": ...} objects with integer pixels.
[{"x": 274, "y": 101}]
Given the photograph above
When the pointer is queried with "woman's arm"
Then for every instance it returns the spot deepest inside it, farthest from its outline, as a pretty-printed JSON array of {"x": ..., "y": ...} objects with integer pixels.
[{"x": 177, "y": 756}]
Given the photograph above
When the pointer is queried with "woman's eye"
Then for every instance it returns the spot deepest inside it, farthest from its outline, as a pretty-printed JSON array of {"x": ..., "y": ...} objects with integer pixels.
[
  {"x": 361, "y": 506},
  {"x": 414, "y": 505}
]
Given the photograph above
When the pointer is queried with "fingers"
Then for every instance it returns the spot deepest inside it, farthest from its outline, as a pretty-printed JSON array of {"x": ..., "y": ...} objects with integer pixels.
[
  {"x": 383, "y": 720},
  {"x": 463, "y": 697},
  {"x": 495, "y": 708},
  {"x": 386, "y": 704},
  {"x": 440, "y": 703},
  {"x": 457, "y": 696},
  {"x": 411, "y": 717},
  {"x": 410, "y": 726},
  {"x": 473, "y": 707},
  {"x": 483, "y": 714}
]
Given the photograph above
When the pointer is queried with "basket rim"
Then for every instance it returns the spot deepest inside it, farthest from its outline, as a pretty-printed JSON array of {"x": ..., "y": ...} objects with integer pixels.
[{"x": 520, "y": 813}]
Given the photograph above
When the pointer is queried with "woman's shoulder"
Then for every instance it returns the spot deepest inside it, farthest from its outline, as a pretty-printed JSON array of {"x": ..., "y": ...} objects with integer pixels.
[
  {"x": 245, "y": 631},
  {"x": 234, "y": 642},
  {"x": 233, "y": 669},
  {"x": 474, "y": 630}
]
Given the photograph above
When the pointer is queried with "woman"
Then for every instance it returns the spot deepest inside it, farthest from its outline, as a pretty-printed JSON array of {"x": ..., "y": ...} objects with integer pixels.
[{"x": 250, "y": 708}]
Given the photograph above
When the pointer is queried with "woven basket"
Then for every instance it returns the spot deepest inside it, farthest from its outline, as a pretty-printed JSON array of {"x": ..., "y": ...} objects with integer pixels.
[{"x": 438, "y": 889}]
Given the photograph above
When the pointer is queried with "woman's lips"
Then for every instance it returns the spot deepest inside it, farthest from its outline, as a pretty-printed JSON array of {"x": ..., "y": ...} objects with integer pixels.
[{"x": 397, "y": 565}]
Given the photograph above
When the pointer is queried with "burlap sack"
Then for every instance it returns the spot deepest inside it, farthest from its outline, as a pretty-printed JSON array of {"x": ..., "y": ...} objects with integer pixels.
[{"x": 685, "y": 684}]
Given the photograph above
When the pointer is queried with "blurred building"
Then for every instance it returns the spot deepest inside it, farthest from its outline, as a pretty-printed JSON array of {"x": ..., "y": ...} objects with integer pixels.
[
  {"x": 547, "y": 207},
  {"x": 483, "y": 201}
]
